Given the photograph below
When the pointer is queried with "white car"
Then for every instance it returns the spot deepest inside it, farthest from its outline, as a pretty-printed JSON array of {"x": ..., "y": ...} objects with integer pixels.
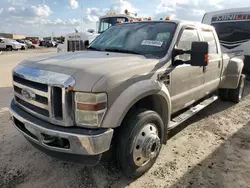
[{"x": 9, "y": 44}]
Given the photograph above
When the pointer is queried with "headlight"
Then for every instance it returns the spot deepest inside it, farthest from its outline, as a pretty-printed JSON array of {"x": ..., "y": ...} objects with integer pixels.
[{"x": 90, "y": 109}]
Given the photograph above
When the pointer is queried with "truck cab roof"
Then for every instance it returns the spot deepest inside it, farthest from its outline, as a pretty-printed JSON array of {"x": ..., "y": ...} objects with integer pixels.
[{"x": 178, "y": 22}]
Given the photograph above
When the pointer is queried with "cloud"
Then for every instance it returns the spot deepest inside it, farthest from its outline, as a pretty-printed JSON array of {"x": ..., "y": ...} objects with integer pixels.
[
  {"x": 192, "y": 9},
  {"x": 119, "y": 6},
  {"x": 73, "y": 4},
  {"x": 34, "y": 20},
  {"x": 16, "y": 2},
  {"x": 31, "y": 11}
]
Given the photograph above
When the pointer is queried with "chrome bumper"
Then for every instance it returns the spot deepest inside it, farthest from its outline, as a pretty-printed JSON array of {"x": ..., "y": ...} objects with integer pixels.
[{"x": 60, "y": 139}]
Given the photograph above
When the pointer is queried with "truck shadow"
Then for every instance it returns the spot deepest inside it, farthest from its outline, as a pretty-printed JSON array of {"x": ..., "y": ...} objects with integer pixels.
[{"x": 227, "y": 165}]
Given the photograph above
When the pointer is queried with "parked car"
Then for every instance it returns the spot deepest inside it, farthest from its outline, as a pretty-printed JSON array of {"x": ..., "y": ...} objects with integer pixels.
[
  {"x": 9, "y": 44},
  {"x": 124, "y": 93},
  {"x": 23, "y": 44},
  {"x": 30, "y": 44},
  {"x": 49, "y": 43}
]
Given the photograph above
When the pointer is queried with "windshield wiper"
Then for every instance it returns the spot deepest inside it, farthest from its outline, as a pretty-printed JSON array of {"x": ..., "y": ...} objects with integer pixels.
[{"x": 121, "y": 50}]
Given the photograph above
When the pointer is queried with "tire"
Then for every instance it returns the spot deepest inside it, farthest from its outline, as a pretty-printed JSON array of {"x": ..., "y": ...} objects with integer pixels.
[
  {"x": 140, "y": 131},
  {"x": 235, "y": 95},
  {"x": 9, "y": 48},
  {"x": 223, "y": 93}
]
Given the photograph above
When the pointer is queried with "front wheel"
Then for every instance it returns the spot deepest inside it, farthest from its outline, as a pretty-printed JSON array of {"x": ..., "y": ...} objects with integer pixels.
[
  {"x": 139, "y": 142},
  {"x": 9, "y": 48}
]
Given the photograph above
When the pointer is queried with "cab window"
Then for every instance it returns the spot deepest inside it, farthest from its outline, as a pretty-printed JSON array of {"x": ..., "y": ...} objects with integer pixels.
[
  {"x": 187, "y": 37},
  {"x": 209, "y": 37}
]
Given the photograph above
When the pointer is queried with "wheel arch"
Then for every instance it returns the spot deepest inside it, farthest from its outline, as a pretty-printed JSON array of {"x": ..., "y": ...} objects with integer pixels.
[
  {"x": 232, "y": 74},
  {"x": 150, "y": 95}
]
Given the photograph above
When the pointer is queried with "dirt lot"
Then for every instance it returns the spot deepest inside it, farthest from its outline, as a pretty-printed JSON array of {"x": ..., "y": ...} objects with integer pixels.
[{"x": 212, "y": 149}]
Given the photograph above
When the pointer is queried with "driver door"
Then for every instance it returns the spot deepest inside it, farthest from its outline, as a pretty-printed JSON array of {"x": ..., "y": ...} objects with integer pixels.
[{"x": 186, "y": 80}]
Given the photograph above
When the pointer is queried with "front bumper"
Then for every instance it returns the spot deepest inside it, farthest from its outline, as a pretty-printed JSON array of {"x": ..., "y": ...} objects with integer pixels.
[{"x": 61, "y": 140}]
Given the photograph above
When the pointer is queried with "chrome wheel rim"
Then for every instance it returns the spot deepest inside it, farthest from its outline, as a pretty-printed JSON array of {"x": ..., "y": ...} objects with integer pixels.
[
  {"x": 241, "y": 88},
  {"x": 147, "y": 145}
]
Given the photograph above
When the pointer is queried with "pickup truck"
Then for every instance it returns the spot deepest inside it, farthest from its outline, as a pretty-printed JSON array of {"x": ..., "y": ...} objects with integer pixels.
[
  {"x": 9, "y": 44},
  {"x": 124, "y": 93}
]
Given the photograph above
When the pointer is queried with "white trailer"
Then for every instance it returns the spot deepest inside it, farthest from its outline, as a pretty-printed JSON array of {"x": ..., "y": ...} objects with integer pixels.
[{"x": 233, "y": 29}]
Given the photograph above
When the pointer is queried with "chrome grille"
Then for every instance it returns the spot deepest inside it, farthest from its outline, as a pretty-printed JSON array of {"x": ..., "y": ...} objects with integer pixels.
[
  {"x": 75, "y": 45},
  {"x": 44, "y": 94}
]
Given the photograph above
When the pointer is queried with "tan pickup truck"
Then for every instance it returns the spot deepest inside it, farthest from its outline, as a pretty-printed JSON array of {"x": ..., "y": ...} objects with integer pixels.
[{"x": 133, "y": 84}]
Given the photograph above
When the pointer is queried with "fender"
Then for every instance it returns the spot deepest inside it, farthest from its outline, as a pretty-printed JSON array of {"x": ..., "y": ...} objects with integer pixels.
[
  {"x": 133, "y": 94},
  {"x": 231, "y": 77}
]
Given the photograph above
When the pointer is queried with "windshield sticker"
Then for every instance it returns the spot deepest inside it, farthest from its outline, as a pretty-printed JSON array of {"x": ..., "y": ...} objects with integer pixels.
[{"x": 151, "y": 43}]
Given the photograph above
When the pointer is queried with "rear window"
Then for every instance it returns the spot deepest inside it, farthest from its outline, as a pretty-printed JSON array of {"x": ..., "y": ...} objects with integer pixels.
[{"x": 209, "y": 37}]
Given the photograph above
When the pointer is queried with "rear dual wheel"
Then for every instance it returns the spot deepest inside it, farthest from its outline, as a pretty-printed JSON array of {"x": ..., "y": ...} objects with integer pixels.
[
  {"x": 234, "y": 95},
  {"x": 139, "y": 142}
]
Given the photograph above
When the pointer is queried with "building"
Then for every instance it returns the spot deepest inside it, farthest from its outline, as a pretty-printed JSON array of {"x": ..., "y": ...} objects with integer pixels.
[{"x": 12, "y": 36}]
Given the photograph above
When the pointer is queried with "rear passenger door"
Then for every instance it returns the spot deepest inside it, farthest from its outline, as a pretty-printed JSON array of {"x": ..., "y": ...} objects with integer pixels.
[
  {"x": 186, "y": 80},
  {"x": 213, "y": 70}
]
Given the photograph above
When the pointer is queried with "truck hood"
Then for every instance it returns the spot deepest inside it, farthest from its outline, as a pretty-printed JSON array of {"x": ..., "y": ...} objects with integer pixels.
[{"x": 87, "y": 67}]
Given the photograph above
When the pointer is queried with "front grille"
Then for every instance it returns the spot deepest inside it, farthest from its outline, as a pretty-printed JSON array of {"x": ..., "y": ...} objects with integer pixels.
[
  {"x": 28, "y": 83},
  {"x": 47, "y": 102},
  {"x": 44, "y": 94},
  {"x": 32, "y": 107},
  {"x": 75, "y": 45}
]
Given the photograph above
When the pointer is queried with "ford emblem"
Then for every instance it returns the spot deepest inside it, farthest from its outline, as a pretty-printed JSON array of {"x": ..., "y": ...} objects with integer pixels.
[{"x": 28, "y": 94}]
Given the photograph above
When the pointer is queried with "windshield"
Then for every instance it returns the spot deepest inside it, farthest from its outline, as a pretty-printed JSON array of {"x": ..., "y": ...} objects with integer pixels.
[
  {"x": 146, "y": 38},
  {"x": 105, "y": 23},
  {"x": 232, "y": 32}
]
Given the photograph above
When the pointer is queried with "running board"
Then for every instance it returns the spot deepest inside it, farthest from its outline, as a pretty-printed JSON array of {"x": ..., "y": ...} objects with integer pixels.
[{"x": 192, "y": 111}]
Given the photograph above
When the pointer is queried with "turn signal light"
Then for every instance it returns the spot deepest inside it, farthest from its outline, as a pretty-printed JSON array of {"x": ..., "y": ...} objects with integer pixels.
[{"x": 206, "y": 59}]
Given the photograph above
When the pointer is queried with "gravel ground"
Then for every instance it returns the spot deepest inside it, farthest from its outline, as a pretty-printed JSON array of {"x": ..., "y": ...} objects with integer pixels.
[{"x": 212, "y": 149}]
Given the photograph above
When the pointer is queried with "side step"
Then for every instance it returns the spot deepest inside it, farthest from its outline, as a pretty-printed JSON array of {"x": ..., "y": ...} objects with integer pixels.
[{"x": 192, "y": 111}]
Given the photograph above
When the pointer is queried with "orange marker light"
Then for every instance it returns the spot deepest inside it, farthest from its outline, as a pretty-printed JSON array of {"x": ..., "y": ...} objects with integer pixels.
[
  {"x": 69, "y": 88},
  {"x": 131, "y": 20},
  {"x": 149, "y": 18},
  {"x": 206, "y": 58},
  {"x": 139, "y": 19},
  {"x": 167, "y": 18}
]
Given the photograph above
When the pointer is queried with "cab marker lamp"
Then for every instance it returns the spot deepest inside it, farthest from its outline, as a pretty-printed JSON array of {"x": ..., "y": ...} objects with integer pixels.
[
  {"x": 139, "y": 19},
  {"x": 90, "y": 109},
  {"x": 167, "y": 18},
  {"x": 149, "y": 18}
]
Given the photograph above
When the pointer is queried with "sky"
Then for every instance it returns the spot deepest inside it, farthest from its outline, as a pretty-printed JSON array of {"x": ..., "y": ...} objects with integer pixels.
[{"x": 44, "y": 17}]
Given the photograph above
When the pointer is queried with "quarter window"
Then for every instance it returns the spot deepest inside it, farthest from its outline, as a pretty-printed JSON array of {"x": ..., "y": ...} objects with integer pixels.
[{"x": 209, "y": 37}]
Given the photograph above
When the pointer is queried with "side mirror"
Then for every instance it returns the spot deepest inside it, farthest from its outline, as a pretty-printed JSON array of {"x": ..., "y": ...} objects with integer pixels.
[{"x": 199, "y": 54}]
